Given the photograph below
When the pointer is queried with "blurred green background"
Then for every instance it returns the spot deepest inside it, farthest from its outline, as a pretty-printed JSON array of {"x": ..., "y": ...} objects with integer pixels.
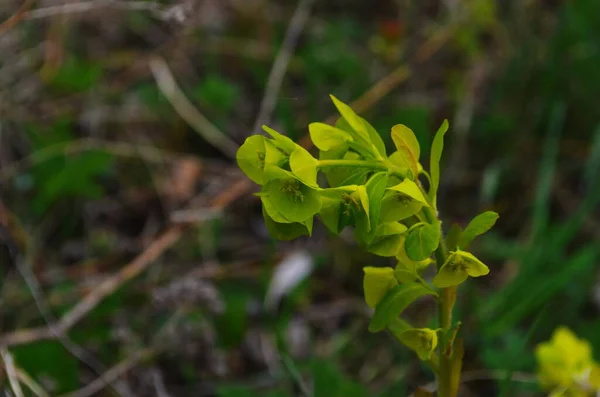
[{"x": 119, "y": 212}]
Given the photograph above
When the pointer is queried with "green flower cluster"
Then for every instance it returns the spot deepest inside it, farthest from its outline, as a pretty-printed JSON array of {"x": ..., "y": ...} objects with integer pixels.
[{"x": 380, "y": 196}]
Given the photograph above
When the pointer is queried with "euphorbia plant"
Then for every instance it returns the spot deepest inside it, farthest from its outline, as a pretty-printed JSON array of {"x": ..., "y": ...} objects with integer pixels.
[{"x": 393, "y": 215}]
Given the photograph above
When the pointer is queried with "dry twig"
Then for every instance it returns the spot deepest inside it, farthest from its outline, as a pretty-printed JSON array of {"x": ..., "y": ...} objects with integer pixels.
[
  {"x": 131, "y": 270},
  {"x": 112, "y": 374},
  {"x": 176, "y": 12},
  {"x": 18, "y": 16},
  {"x": 167, "y": 85},
  {"x": 11, "y": 373}
]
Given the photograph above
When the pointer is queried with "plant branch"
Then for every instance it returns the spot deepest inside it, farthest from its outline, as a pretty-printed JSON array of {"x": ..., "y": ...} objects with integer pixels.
[
  {"x": 352, "y": 163},
  {"x": 445, "y": 306},
  {"x": 207, "y": 130}
]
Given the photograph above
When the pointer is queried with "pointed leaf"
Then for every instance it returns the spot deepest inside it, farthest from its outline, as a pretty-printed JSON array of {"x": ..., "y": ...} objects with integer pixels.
[
  {"x": 377, "y": 282},
  {"x": 394, "y": 303},
  {"x": 281, "y": 140},
  {"x": 304, "y": 166},
  {"x": 407, "y": 146},
  {"x": 364, "y": 201},
  {"x": 458, "y": 267},
  {"x": 475, "y": 268},
  {"x": 478, "y": 226},
  {"x": 437, "y": 147},
  {"x": 410, "y": 189},
  {"x": 326, "y": 137},
  {"x": 421, "y": 241},
  {"x": 274, "y": 155},
  {"x": 375, "y": 190},
  {"x": 353, "y": 120},
  {"x": 375, "y": 138}
]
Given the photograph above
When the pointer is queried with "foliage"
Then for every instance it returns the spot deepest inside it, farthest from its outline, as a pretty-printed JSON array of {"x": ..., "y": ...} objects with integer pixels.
[{"x": 392, "y": 214}]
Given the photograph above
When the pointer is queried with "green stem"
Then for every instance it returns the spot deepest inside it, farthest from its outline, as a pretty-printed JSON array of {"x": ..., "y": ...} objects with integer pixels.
[
  {"x": 446, "y": 377},
  {"x": 352, "y": 163},
  {"x": 445, "y": 305}
]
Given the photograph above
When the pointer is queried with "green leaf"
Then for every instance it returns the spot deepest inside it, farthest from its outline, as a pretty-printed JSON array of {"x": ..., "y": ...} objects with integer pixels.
[
  {"x": 377, "y": 282},
  {"x": 389, "y": 238},
  {"x": 478, "y": 226},
  {"x": 338, "y": 207},
  {"x": 375, "y": 190},
  {"x": 394, "y": 303},
  {"x": 402, "y": 162},
  {"x": 281, "y": 141},
  {"x": 341, "y": 176},
  {"x": 287, "y": 231},
  {"x": 326, "y": 137},
  {"x": 410, "y": 189},
  {"x": 407, "y": 147},
  {"x": 363, "y": 196},
  {"x": 251, "y": 158},
  {"x": 457, "y": 268},
  {"x": 273, "y": 172},
  {"x": 272, "y": 211},
  {"x": 421, "y": 340},
  {"x": 396, "y": 207},
  {"x": 304, "y": 166},
  {"x": 330, "y": 213},
  {"x": 273, "y": 155},
  {"x": 375, "y": 138},
  {"x": 421, "y": 241},
  {"x": 453, "y": 237},
  {"x": 353, "y": 120},
  {"x": 437, "y": 147},
  {"x": 365, "y": 226},
  {"x": 294, "y": 200}
]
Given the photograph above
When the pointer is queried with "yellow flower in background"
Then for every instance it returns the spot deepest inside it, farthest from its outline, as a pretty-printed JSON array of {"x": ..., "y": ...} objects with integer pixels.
[{"x": 566, "y": 366}]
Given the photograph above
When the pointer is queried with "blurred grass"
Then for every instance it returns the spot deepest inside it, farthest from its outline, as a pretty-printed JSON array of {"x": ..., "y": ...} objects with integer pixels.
[{"x": 518, "y": 81}]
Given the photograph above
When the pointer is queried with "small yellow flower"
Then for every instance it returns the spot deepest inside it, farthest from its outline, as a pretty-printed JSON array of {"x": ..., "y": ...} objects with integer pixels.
[{"x": 566, "y": 365}]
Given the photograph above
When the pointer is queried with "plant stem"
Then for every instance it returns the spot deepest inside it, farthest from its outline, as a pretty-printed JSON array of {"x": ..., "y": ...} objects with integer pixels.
[
  {"x": 446, "y": 378},
  {"x": 445, "y": 305},
  {"x": 353, "y": 163}
]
